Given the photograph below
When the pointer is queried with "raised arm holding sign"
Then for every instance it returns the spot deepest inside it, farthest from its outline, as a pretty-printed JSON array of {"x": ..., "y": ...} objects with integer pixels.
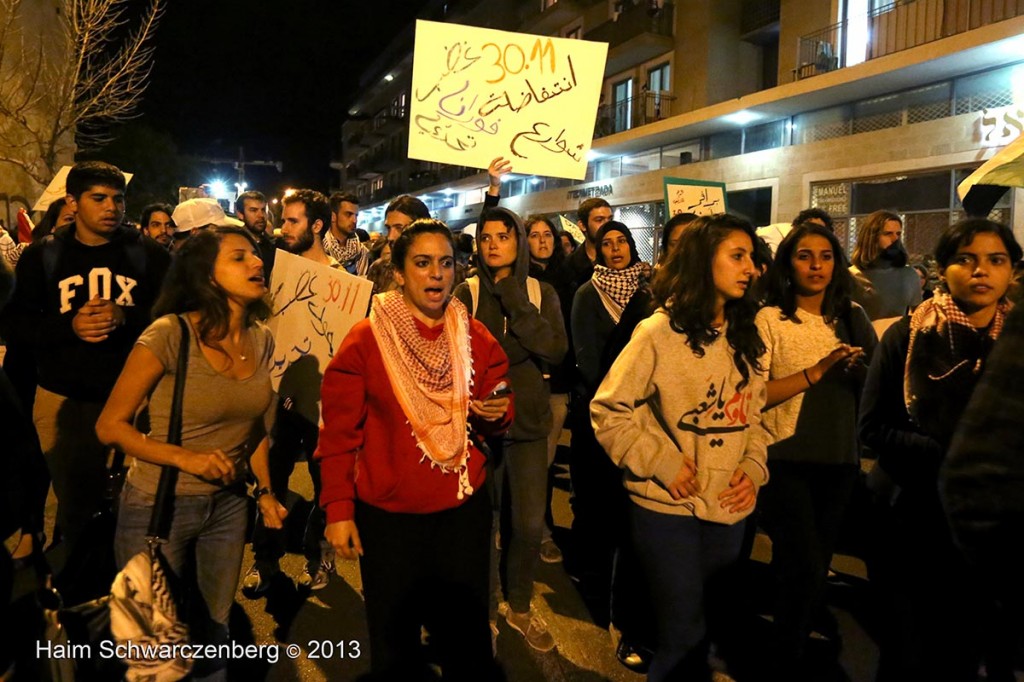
[{"x": 480, "y": 93}]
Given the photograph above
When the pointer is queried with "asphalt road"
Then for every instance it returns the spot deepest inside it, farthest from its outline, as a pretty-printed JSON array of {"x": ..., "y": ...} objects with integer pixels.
[
  {"x": 322, "y": 635},
  {"x": 584, "y": 651}
]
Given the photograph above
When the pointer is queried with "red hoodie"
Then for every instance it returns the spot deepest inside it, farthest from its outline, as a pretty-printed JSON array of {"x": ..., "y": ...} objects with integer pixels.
[{"x": 367, "y": 450}]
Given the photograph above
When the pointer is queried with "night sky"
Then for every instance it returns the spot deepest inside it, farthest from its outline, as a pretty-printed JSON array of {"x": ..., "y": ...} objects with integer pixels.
[{"x": 274, "y": 76}]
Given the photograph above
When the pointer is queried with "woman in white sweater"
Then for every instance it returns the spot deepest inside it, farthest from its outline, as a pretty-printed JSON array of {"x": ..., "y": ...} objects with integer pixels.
[
  {"x": 679, "y": 412},
  {"x": 816, "y": 342}
]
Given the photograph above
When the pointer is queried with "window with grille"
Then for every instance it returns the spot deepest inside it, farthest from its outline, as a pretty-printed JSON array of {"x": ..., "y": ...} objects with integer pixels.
[
  {"x": 988, "y": 90},
  {"x": 640, "y": 219},
  {"x": 926, "y": 202}
]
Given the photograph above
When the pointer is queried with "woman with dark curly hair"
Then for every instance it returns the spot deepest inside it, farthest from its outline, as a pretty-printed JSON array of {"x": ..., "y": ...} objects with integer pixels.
[
  {"x": 816, "y": 341},
  {"x": 680, "y": 412},
  {"x": 216, "y": 284}
]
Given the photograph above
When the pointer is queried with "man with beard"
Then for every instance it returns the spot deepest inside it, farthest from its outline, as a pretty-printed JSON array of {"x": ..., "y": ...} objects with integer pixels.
[
  {"x": 251, "y": 209},
  {"x": 886, "y": 287},
  {"x": 591, "y": 215},
  {"x": 305, "y": 218},
  {"x": 156, "y": 224},
  {"x": 341, "y": 240}
]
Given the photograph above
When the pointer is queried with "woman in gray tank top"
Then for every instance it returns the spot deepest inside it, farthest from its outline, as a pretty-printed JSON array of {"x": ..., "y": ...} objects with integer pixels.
[{"x": 216, "y": 284}]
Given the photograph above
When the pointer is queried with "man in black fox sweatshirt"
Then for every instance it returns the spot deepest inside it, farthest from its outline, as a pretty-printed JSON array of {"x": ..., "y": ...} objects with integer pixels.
[{"x": 82, "y": 297}]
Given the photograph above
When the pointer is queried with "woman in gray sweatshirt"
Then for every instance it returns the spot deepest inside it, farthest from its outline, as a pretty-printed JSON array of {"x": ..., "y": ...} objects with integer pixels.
[{"x": 680, "y": 413}]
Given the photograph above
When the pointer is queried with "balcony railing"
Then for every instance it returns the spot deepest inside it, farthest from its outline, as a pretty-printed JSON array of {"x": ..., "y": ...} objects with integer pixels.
[
  {"x": 896, "y": 26},
  {"x": 633, "y": 21},
  {"x": 632, "y": 112}
]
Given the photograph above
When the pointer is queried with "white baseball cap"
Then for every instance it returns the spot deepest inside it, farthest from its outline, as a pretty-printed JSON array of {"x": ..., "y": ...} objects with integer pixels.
[{"x": 188, "y": 215}]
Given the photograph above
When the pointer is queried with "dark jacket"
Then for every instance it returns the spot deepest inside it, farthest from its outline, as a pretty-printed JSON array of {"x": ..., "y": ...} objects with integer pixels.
[
  {"x": 886, "y": 291},
  {"x": 532, "y": 339},
  {"x": 563, "y": 374},
  {"x": 56, "y": 277},
  {"x": 578, "y": 268},
  {"x": 267, "y": 246},
  {"x": 982, "y": 478},
  {"x": 598, "y": 340},
  {"x": 907, "y": 454}
]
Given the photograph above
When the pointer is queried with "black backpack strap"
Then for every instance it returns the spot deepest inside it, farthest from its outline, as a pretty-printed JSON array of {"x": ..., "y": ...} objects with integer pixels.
[
  {"x": 163, "y": 507},
  {"x": 51, "y": 249}
]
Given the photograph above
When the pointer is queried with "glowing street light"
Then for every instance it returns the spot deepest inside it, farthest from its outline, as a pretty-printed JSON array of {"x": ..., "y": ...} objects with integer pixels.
[{"x": 219, "y": 189}]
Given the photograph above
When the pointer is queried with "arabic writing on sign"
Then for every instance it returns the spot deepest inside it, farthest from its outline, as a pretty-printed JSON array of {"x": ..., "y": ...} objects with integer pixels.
[
  {"x": 694, "y": 196},
  {"x": 700, "y": 204},
  {"x": 480, "y": 93},
  {"x": 314, "y": 308}
]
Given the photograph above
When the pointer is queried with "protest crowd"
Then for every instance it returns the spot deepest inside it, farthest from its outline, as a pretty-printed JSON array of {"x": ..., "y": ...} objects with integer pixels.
[{"x": 734, "y": 386}]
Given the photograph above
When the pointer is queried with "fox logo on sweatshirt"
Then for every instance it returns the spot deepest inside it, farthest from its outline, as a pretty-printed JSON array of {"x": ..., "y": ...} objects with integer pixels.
[{"x": 101, "y": 281}]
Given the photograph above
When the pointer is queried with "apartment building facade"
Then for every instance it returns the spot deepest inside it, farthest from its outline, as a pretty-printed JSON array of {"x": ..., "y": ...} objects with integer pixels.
[{"x": 849, "y": 105}]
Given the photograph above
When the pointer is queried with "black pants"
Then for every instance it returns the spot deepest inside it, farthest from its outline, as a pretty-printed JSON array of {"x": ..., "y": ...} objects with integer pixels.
[
  {"x": 597, "y": 504},
  {"x": 427, "y": 569},
  {"x": 293, "y": 435},
  {"x": 939, "y": 619},
  {"x": 802, "y": 509}
]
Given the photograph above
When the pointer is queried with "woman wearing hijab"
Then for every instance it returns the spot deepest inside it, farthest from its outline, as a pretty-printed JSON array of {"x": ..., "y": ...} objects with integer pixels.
[
  {"x": 604, "y": 313},
  {"x": 617, "y": 292},
  {"x": 526, "y": 318},
  {"x": 918, "y": 385},
  {"x": 410, "y": 501}
]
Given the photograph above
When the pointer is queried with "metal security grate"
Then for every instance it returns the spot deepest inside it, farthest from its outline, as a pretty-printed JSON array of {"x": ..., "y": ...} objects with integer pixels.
[
  {"x": 999, "y": 215},
  {"x": 825, "y": 131},
  {"x": 841, "y": 228},
  {"x": 867, "y": 124},
  {"x": 640, "y": 219},
  {"x": 984, "y": 100},
  {"x": 921, "y": 231},
  {"x": 927, "y": 112}
]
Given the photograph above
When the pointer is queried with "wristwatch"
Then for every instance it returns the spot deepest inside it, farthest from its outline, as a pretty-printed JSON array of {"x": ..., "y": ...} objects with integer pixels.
[{"x": 260, "y": 492}]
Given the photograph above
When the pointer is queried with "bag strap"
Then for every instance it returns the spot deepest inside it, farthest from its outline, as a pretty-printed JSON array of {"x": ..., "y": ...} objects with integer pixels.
[
  {"x": 474, "y": 292},
  {"x": 163, "y": 507},
  {"x": 533, "y": 292}
]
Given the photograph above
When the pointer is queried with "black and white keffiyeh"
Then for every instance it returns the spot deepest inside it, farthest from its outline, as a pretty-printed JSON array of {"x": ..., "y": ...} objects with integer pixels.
[
  {"x": 343, "y": 253},
  {"x": 616, "y": 287}
]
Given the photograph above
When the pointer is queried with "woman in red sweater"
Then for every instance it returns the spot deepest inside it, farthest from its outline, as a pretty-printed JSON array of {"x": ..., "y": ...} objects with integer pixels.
[{"x": 409, "y": 394}]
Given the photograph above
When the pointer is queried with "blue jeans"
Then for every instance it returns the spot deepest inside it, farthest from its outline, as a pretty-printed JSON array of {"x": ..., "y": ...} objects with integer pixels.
[
  {"x": 207, "y": 532},
  {"x": 680, "y": 555},
  {"x": 523, "y": 468}
]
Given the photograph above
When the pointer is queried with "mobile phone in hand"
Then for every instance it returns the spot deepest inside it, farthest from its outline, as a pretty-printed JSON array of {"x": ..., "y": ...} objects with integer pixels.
[{"x": 502, "y": 389}]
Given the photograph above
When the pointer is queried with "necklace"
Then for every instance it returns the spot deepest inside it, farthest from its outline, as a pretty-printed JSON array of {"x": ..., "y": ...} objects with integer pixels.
[{"x": 241, "y": 351}]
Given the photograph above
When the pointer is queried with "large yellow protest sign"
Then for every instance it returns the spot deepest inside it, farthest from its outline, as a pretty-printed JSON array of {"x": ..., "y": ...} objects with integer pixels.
[{"x": 479, "y": 93}]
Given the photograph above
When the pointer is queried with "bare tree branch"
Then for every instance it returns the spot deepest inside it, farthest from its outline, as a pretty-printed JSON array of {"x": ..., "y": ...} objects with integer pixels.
[{"x": 73, "y": 85}]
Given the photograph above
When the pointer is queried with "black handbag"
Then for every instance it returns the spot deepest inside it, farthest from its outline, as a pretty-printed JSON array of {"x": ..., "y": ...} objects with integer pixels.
[{"x": 91, "y": 621}]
